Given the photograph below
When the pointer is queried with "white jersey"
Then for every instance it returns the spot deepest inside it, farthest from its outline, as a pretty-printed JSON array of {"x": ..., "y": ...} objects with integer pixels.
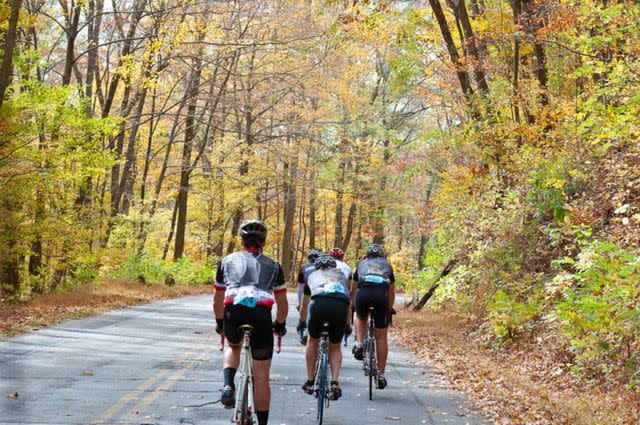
[{"x": 344, "y": 268}]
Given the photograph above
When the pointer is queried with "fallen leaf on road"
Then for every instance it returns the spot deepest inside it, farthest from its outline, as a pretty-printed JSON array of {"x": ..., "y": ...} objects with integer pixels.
[
  {"x": 87, "y": 372},
  {"x": 199, "y": 332},
  {"x": 12, "y": 395}
]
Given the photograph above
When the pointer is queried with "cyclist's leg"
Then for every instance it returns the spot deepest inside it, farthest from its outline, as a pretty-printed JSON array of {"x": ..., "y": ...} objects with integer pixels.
[
  {"x": 232, "y": 318},
  {"x": 311, "y": 355},
  {"x": 262, "y": 393},
  {"x": 262, "y": 352},
  {"x": 314, "y": 329},
  {"x": 362, "y": 313},
  {"x": 336, "y": 314},
  {"x": 382, "y": 348},
  {"x": 381, "y": 320},
  {"x": 231, "y": 357}
]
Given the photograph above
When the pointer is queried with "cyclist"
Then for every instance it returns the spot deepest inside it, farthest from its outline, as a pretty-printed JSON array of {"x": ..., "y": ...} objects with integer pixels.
[
  {"x": 305, "y": 271},
  {"x": 338, "y": 254},
  {"x": 375, "y": 287},
  {"x": 247, "y": 285},
  {"x": 326, "y": 299}
]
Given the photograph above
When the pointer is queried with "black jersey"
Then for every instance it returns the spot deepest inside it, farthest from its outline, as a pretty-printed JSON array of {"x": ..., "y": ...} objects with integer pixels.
[
  {"x": 374, "y": 272},
  {"x": 305, "y": 271}
]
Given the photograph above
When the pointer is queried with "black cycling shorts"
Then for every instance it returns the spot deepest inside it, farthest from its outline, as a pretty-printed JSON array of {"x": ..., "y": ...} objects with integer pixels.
[
  {"x": 376, "y": 297},
  {"x": 328, "y": 309},
  {"x": 260, "y": 318}
]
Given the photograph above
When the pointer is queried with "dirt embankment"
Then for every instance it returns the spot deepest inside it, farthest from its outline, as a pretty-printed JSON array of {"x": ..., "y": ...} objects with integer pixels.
[
  {"x": 49, "y": 309},
  {"x": 525, "y": 383}
]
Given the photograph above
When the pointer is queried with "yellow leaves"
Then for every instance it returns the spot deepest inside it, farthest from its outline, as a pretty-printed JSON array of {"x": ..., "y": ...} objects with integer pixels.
[{"x": 555, "y": 183}]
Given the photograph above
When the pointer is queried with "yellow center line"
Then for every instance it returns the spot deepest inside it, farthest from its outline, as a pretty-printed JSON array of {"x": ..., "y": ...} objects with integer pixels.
[
  {"x": 166, "y": 385},
  {"x": 109, "y": 413},
  {"x": 145, "y": 402}
]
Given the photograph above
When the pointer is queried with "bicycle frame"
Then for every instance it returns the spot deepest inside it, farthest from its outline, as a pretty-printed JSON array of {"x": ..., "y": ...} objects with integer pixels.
[
  {"x": 370, "y": 362},
  {"x": 321, "y": 383},
  {"x": 244, "y": 401},
  {"x": 245, "y": 393}
]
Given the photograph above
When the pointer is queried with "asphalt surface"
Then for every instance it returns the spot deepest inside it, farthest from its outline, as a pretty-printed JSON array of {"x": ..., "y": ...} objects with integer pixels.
[{"x": 159, "y": 363}]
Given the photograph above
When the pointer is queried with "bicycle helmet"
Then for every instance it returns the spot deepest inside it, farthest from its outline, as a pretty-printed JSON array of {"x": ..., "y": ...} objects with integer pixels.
[
  {"x": 375, "y": 251},
  {"x": 253, "y": 229},
  {"x": 313, "y": 254},
  {"x": 337, "y": 253},
  {"x": 324, "y": 262}
]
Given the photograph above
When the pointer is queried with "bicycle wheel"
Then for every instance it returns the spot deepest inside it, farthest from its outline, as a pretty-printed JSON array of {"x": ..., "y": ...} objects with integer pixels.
[
  {"x": 322, "y": 391},
  {"x": 370, "y": 372},
  {"x": 242, "y": 416}
]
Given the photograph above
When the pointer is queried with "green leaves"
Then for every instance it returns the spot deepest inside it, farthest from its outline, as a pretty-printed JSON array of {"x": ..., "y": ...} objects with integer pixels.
[{"x": 600, "y": 309}]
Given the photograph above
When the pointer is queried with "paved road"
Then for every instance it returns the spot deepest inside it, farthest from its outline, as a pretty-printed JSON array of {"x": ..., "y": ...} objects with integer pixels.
[{"x": 158, "y": 364}]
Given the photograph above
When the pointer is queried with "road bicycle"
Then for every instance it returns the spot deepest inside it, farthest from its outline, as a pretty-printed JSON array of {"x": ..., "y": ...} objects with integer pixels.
[
  {"x": 321, "y": 387},
  {"x": 370, "y": 361},
  {"x": 243, "y": 413}
]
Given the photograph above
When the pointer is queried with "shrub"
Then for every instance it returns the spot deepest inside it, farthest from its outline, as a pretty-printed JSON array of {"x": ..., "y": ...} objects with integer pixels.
[
  {"x": 600, "y": 310},
  {"x": 154, "y": 271}
]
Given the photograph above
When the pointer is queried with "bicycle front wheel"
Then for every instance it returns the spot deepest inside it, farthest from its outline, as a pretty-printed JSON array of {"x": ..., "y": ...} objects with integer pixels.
[{"x": 322, "y": 391}]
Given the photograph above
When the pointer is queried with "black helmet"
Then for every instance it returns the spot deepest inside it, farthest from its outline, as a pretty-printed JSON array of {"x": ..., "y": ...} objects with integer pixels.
[
  {"x": 313, "y": 254},
  {"x": 375, "y": 251},
  {"x": 324, "y": 262},
  {"x": 253, "y": 229}
]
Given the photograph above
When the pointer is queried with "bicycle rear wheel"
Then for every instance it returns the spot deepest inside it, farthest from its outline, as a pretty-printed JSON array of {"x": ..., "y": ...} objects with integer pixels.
[
  {"x": 370, "y": 372},
  {"x": 322, "y": 391},
  {"x": 243, "y": 416}
]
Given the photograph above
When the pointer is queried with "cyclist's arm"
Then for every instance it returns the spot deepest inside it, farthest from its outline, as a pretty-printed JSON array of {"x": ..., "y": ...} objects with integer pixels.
[
  {"x": 305, "y": 303},
  {"x": 218, "y": 296},
  {"x": 392, "y": 290},
  {"x": 280, "y": 295},
  {"x": 392, "y": 295},
  {"x": 353, "y": 289}
]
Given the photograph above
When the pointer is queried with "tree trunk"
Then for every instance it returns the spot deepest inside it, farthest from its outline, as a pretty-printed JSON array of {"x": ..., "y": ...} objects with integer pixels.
[
  {"x": 126, "y": 50},
  {"x": 349, "y": 229},
  {"x": 289, "y": 216},
  {"x": 461, "y": 13},
  {"x": 461, "y": 73},
  {"x": 447, "y": 269},
  {"x": 424, "y": 240},
  {"x": 185, "y": 172},
  {"x": 312, "y": 212},
  {"x": 533, "y": 24},
  {"x": 10, "y": 37},
  {"x": 72, "y": 33},
  {"x": 337, "y": 239}
]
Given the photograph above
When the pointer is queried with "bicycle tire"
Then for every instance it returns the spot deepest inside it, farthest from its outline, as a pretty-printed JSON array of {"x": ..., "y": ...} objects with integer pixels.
[
  {"x": 322, "y": 394},
  {"x": 370, "y": 361},
  {"x": 244, "y": 418},
  {"x": 371, "y": 357}
]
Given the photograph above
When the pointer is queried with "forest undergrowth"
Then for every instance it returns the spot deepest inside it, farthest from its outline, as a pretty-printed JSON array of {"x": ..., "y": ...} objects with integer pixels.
[
  {"x": 49, "y": 309},
  {"x": 523, "y": 383}
]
